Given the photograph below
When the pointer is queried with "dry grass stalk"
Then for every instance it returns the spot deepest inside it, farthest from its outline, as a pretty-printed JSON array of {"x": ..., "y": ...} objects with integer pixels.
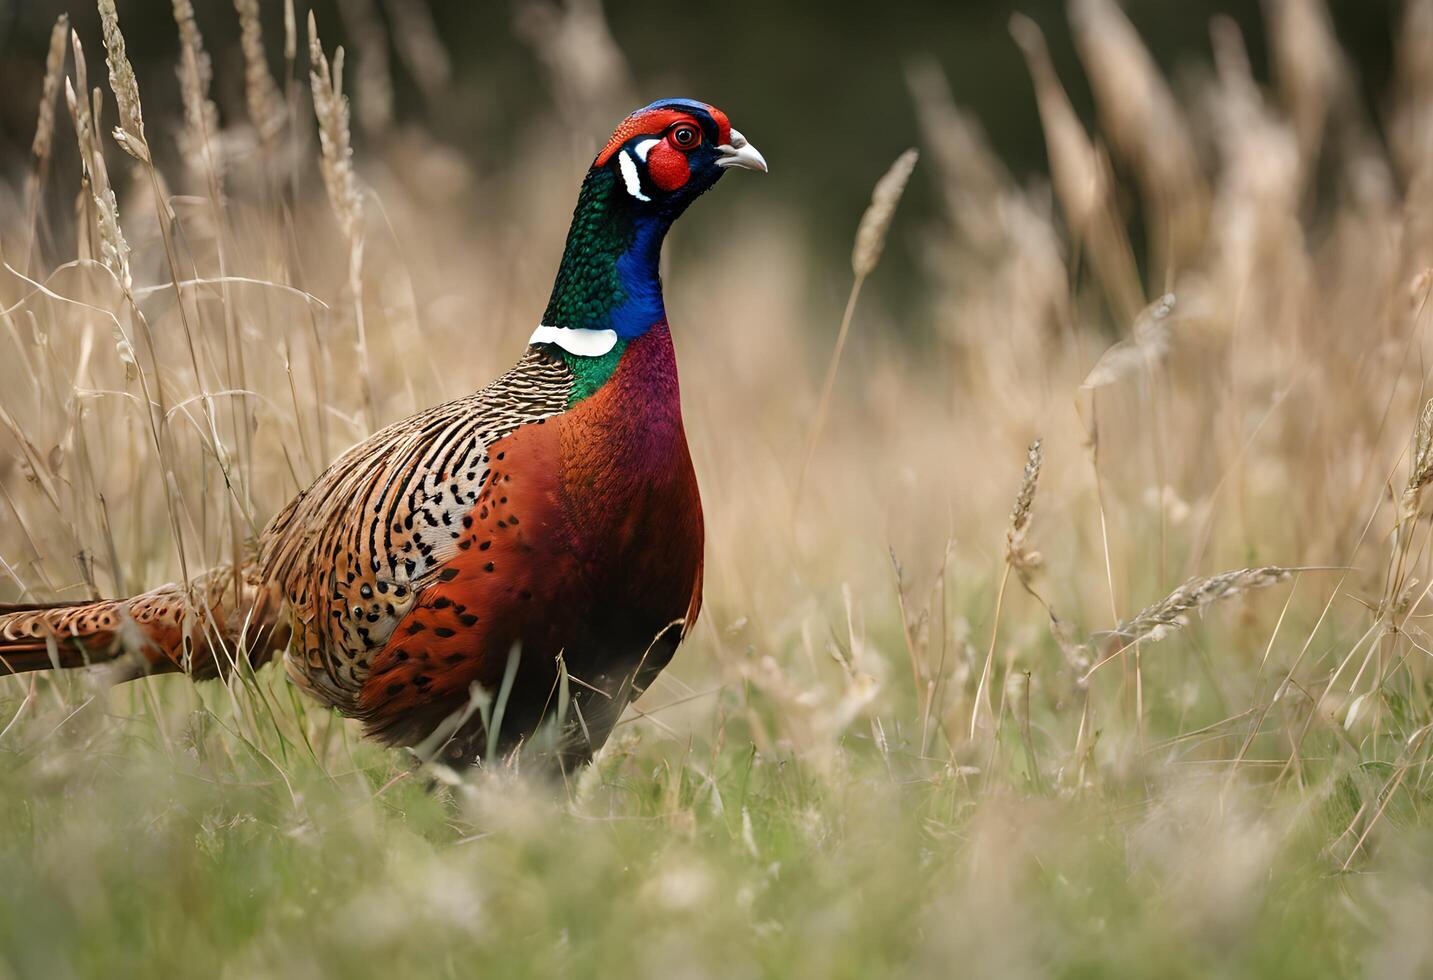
[
  {"x": 1149, "y": 344},
  {"x": 1256, "y": 234},
  {"x": 199, "y": 143},
  {"x": 331, "y": 108},
  {"x": 43, "y": 143},
  {"x": 201, "y": 116},
  {"x": 1147, "y": 130},
  {"x": 876, "y": 222},
  {"x": 1075, "y": 651},
  {"x": 1081, "y": 176},
  {"x": 374, "y": 77},
  {"x": 1003, "y": 257},
  {"x": 54, "y": 67},
  {"x": 336, "y": 147},
  {"x": 113, "y": 252},
  {"x": 261, "y": 92},
  {"x": 416, "y": 38},
  {"x": 129, "y": 134},
  {"x": 585, "y": 69},
  {"x": 1311, "y": 71},
  {"x": 112, "y": 249},
  {"x": 1420, "y": 474},
  {"x": 1019, "y": 559},
  {"x": 1017, "y": 551},
  {"x": 190, "y": 37},
  {"x": 77, "y": 100},
  {"x": 953, "y": 137},
  {"x": 865, "y": 254},
  {"x": 1410, "y": 132},
  {"x": 1074, "y": 163},
  {"x": 1172, "y": 612},
  {"x": 291, "y": 33}
]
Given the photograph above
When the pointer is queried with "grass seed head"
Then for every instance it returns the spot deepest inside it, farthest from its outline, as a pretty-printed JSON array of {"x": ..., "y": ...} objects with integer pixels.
[
  {"x": 336, "y": 145},
  {"x": 201, "y": 117},
  {"x": 1078, "y": 178},
  {"x": 1172, "y": 612},
  {"x": 1017, "y": 552},
  {"x": 54, "y": 68},
  {"x": 114, "y": 250},
  {"x": 291, "y": 33},
  {"x": 871, "y": 234},
  {"x": 261, "y": 93},
  {"x": 129, "y": 134},
  {"x": 373, "y": 78},
  {"x": 1152, "y": 336},
  {"x": 1420, "y": 474}
]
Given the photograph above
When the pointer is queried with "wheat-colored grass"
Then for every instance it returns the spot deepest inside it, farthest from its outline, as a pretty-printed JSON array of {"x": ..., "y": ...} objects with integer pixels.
[{"x": 871, "y": 757}]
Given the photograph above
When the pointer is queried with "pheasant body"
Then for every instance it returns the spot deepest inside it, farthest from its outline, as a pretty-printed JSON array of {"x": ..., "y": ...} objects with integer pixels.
[
  {"x": 585, "y": 542},
  {"x": 540, "y": 539}
]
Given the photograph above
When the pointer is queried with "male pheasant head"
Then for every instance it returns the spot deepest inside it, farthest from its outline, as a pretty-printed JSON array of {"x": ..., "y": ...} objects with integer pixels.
[
  {"x": 668, "y": 153},
  {"x": 660, "y": 159}
]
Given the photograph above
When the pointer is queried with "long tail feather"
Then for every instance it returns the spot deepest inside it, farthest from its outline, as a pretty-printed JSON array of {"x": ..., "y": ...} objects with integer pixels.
[{"x": 201, "y": 630}]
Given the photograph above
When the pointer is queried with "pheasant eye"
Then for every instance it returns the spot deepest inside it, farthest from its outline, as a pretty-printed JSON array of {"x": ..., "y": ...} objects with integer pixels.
[{"x": 686, "y": 136}]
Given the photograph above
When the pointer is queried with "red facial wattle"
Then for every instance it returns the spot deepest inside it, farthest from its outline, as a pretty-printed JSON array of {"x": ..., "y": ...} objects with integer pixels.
[{"x": 667, "y": 166}]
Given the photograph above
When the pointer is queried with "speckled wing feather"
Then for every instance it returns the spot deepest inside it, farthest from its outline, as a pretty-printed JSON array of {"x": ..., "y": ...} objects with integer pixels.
[{"x": 352, "y": 553}]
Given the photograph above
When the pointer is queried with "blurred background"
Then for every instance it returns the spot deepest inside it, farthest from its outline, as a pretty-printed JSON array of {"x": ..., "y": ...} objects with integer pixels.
[{"x": 821, "y": 88}]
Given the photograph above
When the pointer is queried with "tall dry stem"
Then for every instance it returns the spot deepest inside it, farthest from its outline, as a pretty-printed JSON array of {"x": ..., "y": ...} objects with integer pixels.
[
  {"x": 1019, "y": 559},
  {"x": 331, "y": 108},
  {"x": 1147, "y": 130},
  {"x": 865, "y": 254},
  {"x": 201, "y": 115},
  {"x": 43, "y": 144},
  {"x": 415, "y": 36},
  {"x": 261, "y": 93},
  {"x": 374, "y": 76},
  {"x": 1082, "y": 177}
]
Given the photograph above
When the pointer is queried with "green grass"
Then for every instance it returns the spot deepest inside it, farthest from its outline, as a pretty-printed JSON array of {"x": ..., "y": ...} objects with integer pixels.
[{"x": 130, "y": 852}]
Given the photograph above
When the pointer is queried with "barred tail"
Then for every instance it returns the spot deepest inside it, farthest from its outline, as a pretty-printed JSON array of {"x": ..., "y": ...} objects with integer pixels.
[{"x": 201, "y": 630}]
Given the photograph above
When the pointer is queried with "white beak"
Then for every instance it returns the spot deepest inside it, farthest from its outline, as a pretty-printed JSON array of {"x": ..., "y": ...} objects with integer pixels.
[{"x": 740, "y": 153}]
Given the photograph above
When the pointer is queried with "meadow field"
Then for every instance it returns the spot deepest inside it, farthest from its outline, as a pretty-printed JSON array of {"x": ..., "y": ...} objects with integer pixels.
[{"x": 1076, "y": 628}]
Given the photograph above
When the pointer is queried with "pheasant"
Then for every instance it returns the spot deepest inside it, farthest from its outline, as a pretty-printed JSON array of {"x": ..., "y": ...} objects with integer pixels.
[{"x": 535, "y": 546}]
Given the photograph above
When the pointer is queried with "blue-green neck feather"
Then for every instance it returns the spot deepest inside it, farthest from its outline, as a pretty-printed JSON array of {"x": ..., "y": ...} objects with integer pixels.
[{"x": 609, "y": 279}]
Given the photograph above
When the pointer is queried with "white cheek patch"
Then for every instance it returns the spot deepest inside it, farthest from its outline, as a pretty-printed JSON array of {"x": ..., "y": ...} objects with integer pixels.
[
  {"x": 645, "y": 147},
  {"x": 629, "y": 175}
]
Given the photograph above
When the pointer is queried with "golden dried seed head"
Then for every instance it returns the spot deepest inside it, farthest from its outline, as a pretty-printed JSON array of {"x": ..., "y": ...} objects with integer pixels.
[
  {"x": 1420, "y": 472},
  {"x": 871, "y": 235},
  {"x": 291, "y": 33},
  {"x": 201, "y": 117},
  {"x": 114, "y": 250},
  {"x": 1172, "y": 612},
  {"x": 129, "y": 134},
  {"x": 261, "y": 93},
  {"x": 1017, "y": 553},
  {"x": 54, "y": 67},
  {"x": 335, "y": 143}
]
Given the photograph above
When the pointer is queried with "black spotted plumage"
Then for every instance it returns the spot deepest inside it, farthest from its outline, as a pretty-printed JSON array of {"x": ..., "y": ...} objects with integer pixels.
[{"x": 372, "y": 514}]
